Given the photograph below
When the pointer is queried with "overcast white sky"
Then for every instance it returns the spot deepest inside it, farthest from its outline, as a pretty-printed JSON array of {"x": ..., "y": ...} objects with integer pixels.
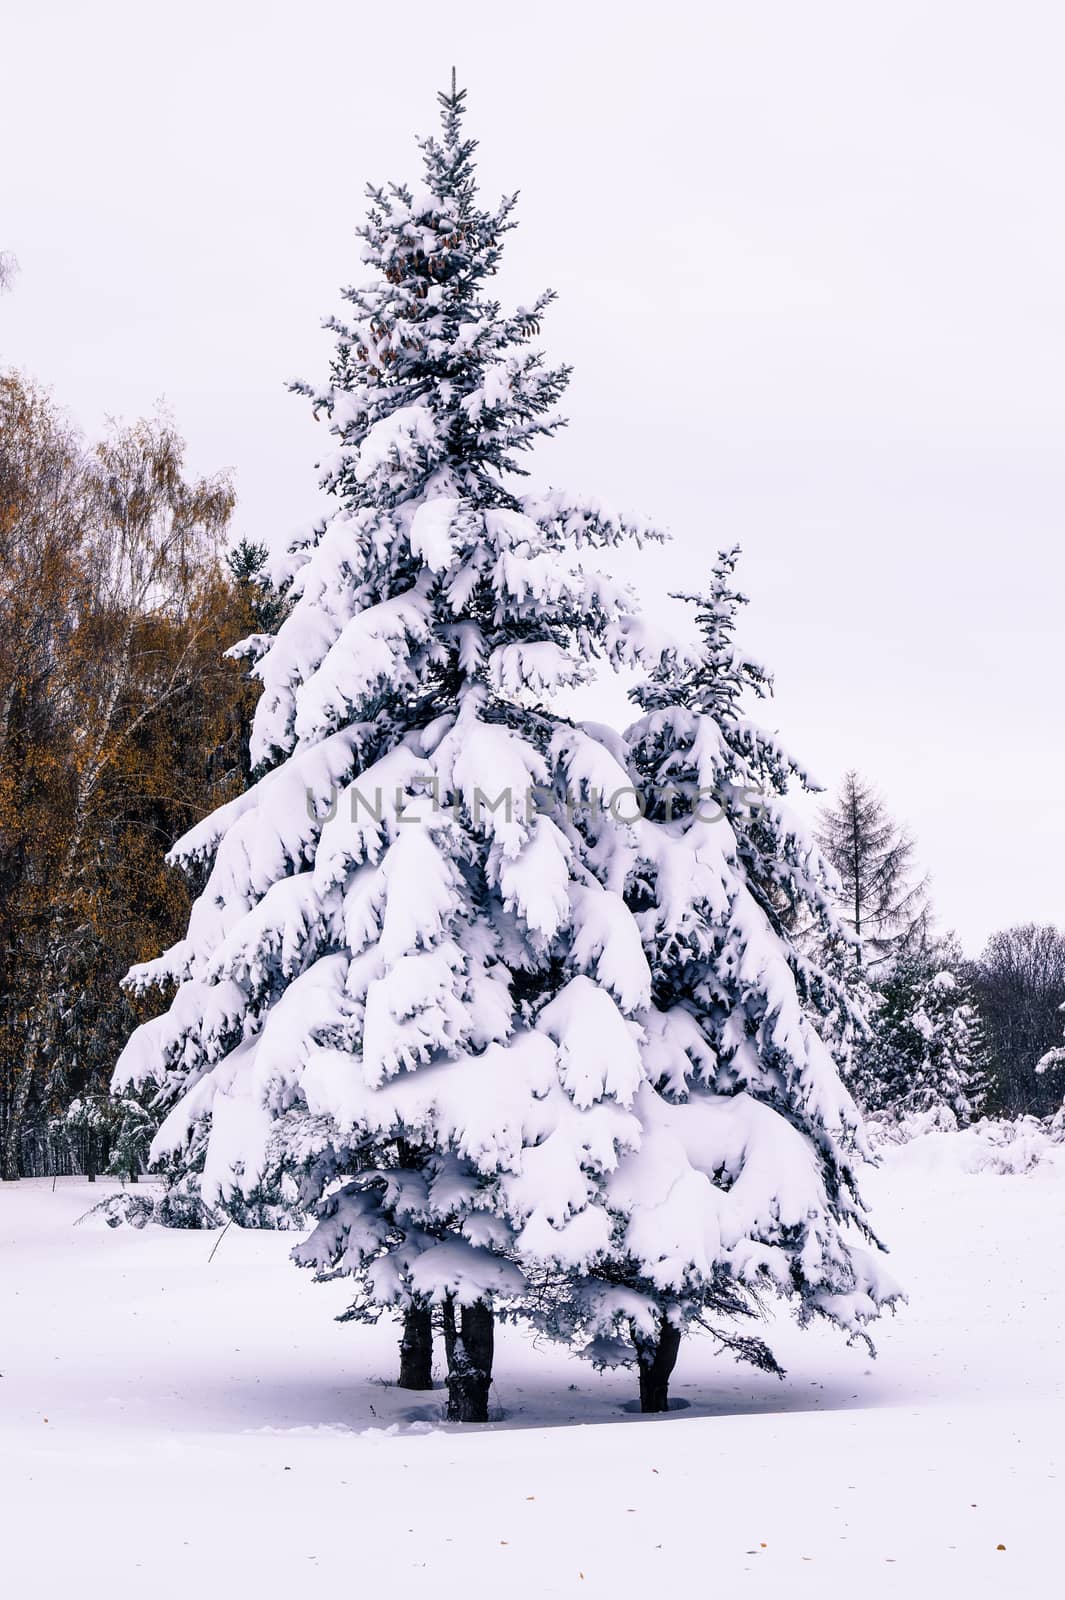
[{"x": 811, "y": 260}]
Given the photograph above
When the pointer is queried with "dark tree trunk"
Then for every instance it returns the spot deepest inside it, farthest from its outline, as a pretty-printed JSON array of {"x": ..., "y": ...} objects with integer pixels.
[
  {"x": 469, "y": 1373},
  {"x": 416, "y": 1349},
  {"x": 656, "y": 1356},
  {"x": 450, "y": 1331}
]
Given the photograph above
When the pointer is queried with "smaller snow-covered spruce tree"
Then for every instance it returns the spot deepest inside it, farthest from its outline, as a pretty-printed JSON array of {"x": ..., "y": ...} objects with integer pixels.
[
  {"x": 515, "y": 1044},
  {"x": 742, "y": 1181},
  {"x": 926, "y": 1049},
  {"x": 134, "y": 1130}
]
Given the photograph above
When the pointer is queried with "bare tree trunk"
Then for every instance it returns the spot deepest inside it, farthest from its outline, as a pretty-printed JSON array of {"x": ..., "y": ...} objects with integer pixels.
[
  {"x": 416, "y": 1348},
  {"x": 35, "y": 1049},
  {"x": 656, "y": 1356},
  {"x": 19, "y": 1102},
  {"x": 469, "y": 1374}
]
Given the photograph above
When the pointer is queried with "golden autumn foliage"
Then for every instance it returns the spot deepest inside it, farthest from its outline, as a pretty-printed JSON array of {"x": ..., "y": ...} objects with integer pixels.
[{"x": 115, "y": 611}]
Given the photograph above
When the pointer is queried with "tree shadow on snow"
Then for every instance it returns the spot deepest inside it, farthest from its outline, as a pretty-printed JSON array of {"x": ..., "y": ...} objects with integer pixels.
[{"x": 281, "y": 1402}]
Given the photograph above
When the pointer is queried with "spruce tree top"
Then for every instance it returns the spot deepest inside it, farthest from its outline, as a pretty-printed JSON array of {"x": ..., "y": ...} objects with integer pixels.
[{"x": 435, "y": 396}]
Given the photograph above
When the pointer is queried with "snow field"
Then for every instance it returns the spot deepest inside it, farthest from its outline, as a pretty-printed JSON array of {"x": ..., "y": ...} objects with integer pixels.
[{"x": 173, "y": 1425}]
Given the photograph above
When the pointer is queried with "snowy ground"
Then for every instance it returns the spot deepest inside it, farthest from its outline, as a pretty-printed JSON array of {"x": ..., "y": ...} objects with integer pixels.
[{"x": 174, "y": 1426}]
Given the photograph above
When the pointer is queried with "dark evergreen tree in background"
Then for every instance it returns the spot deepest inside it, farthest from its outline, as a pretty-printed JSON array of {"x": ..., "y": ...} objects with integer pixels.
[
  {"x": 926, "y": 1050},
  {"x": 264, "y": 602}
]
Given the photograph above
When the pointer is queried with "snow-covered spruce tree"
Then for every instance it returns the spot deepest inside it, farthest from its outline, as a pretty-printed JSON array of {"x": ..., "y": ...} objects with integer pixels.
[
  {"x": 742, "y": 1178},
  {"x": 419, "y": 977},
  {"x": 365, "y": 991},
  {"x": 926, "y": 1049}
]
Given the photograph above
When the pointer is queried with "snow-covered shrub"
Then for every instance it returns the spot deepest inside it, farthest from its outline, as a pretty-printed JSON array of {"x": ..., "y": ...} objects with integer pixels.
[
  {"x": 132, "y": 1210},
  {"x": 889, "y": 1128},
  {"x": 933, "y": 1139}
]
